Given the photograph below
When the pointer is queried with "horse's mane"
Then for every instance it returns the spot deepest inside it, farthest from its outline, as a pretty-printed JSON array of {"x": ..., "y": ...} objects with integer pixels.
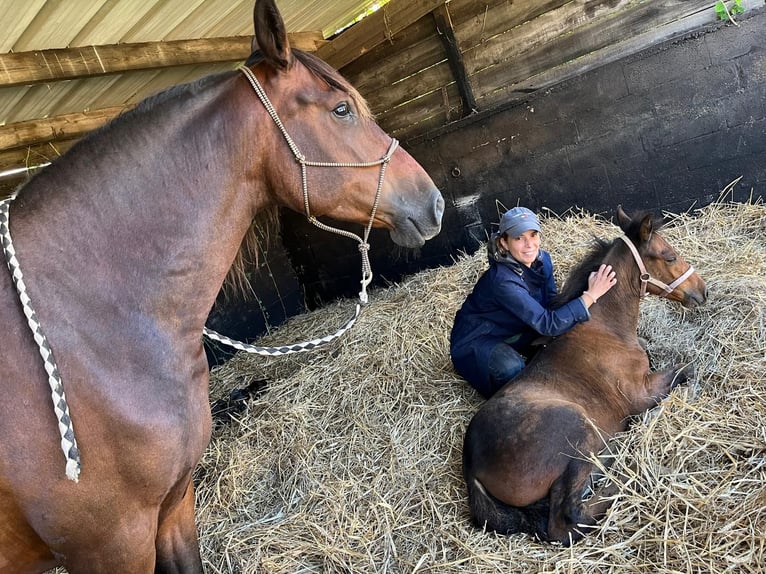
[
  {"x": 256, "y": 242},
  {"x": 577, "y": 281}
]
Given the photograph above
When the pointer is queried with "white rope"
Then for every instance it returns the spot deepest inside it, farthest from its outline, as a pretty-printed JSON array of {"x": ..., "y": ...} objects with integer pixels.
[
  {"x": 287, "y": 349},
  {"x": 364, "y": 246},
  {"x": 60, "y": 406}
]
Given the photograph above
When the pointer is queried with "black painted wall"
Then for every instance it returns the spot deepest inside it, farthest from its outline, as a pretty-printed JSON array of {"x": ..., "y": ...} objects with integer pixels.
[{"x": 666, "y": 129}]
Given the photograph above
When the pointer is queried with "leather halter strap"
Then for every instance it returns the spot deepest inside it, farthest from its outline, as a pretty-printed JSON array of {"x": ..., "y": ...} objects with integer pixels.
[{"x": 646, "y": 276}]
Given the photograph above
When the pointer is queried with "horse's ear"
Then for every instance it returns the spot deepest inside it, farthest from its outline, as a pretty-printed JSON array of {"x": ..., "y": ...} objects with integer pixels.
[
  {"x": 271, "y": 35},
  {"x": 647, "y": 227},
  {"x": 623, "y": 219}
]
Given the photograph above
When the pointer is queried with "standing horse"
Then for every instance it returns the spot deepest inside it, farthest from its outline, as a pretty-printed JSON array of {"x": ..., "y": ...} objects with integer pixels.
[
  {"x": 526, "y": 451},
  {"x": 124, "y": 243}
]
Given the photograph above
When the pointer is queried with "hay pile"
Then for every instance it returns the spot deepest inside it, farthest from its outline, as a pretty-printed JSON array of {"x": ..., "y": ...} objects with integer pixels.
[{"x": 350, "y": 462}]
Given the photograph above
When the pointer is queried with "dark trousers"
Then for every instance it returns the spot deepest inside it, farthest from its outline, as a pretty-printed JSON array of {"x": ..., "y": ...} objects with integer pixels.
[{"x": 504, "y": 364}]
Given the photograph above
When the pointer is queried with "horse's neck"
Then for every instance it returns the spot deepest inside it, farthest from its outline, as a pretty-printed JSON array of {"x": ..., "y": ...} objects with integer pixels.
[
  {"x": 619, "y": 307},
  {"x": 154, "y": 208}
]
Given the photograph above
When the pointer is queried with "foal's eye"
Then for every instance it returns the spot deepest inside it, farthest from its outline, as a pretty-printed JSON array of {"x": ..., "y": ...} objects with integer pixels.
[{"x": 342, "y": 110}]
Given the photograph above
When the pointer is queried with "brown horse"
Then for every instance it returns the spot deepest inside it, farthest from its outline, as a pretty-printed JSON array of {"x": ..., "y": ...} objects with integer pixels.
[
  {"x": 526, "y": 451},
  {"x": 124, "y": 243}
]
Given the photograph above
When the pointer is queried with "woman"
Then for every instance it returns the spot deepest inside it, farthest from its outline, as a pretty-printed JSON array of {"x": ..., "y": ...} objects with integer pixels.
[{"x": 511, "y": 305}]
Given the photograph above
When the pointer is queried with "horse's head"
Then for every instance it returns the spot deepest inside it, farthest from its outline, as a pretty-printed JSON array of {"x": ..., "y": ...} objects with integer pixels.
[
  {"x": 329, "y": 121},
  {"x": 665, "y": 272}
]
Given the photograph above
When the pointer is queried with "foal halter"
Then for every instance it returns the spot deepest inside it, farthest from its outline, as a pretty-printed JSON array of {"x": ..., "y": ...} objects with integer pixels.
[{"x": 647, "y": 278}]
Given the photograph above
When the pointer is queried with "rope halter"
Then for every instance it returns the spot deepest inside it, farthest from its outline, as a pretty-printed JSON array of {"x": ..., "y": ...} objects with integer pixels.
[
  {"x": 364, "y": 246},
  {"x": 646, "y": 276}
]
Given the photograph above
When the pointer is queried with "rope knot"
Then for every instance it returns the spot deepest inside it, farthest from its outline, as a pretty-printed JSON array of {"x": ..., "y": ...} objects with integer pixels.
[{"x": 363, "y": 247}]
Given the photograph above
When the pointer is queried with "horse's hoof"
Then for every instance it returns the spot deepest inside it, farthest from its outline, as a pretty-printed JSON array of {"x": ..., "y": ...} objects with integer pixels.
[{"x": 683, "y": 374}]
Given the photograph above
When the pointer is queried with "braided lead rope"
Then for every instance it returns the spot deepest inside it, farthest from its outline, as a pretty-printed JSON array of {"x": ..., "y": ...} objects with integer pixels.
[
  {"x": 60, "y": 406},
  {"x": 364, "y": 246},
  {"x": 287, "y": 349}
]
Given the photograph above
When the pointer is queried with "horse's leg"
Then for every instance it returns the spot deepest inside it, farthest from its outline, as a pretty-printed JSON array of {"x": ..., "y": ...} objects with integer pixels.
[
  {"x": 569, "y": 517},
  {"x": 21, "y": 550},
  {"x": 120, "y": 546},
  {"x": 659, "y": 384},
  {"x": 177, "y": 544}
]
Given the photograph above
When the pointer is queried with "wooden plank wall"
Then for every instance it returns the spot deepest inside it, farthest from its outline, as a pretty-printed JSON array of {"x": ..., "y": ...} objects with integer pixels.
[{"x": 509, "y": 49}]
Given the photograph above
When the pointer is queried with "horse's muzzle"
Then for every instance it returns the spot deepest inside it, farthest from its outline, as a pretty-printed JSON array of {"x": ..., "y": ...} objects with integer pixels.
[{"x": 694, "y": 299}]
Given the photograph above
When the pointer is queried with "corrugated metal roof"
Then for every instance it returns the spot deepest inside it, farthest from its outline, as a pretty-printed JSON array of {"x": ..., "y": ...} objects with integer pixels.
[
  {"x": 31, "y": 26},
  {"x": 46, "y": 24},
  {"x": 43, "y": 24}
]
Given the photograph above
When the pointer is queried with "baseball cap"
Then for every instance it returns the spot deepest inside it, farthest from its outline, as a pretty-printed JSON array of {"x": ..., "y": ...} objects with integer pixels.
[{"x": 517, "y": 220}]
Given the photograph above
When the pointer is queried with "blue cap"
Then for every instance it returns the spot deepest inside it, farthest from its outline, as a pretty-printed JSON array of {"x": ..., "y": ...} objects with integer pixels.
[{"x": 518, "y": 220}]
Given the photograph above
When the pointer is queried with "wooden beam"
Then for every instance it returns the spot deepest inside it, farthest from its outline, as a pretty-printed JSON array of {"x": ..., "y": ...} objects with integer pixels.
[
  {"x": 455, "y": 58},
  {"x": 375, "y": 29},
  {"x": 33, "y": 156},
  {"x": 25, "y": 68},
  {"x": 64, "y": 127}
]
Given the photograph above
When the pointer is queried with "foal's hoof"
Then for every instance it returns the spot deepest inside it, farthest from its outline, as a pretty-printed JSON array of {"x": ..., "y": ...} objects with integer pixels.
[{"x": 683, "y": 374}]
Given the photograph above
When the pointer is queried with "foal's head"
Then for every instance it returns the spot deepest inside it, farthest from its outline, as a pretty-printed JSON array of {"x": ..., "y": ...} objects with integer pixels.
[{"x": 662, "y": 262}]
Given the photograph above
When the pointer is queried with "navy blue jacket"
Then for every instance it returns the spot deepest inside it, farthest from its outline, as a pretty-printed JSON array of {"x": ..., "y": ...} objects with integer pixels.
[{"x": 510, "y": 303}]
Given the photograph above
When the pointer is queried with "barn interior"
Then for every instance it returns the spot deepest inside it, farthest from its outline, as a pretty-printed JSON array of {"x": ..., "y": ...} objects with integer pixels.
[{"x": 567, "y": 107}]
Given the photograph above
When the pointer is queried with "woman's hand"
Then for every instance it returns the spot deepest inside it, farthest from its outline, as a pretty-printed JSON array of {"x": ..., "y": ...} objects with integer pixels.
[{"x": 599, "y": 282}]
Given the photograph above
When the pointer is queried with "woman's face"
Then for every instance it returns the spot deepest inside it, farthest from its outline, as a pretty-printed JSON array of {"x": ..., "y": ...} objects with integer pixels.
[{"x": 524, "y": 248}]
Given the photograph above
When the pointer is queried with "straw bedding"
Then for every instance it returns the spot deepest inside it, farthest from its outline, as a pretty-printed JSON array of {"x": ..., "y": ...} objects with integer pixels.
[{"x": 350, "y": 462}]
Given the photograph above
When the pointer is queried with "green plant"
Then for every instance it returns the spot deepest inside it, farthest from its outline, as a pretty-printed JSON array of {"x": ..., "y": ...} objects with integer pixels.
[{"x": 728, "y": 12}]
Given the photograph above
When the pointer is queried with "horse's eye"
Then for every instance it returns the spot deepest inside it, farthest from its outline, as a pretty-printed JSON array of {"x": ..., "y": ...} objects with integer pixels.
[
  {"x": 342, "y": 110},
  {"x": 670, "y": 260}
]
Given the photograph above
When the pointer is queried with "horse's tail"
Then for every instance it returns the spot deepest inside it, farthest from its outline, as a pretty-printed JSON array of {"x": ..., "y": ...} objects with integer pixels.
[{"x": 493, "y": 514}]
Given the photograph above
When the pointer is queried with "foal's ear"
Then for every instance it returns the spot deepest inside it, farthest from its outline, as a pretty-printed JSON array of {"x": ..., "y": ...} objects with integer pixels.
[
  {"x": 270, "y": 35},
  {"x": 623, "y": 219},
  {"x": 647, "y": 227}
]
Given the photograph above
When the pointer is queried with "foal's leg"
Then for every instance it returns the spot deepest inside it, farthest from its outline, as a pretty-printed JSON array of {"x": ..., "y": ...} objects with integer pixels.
[
  {"x": 659, "y": 384},
  {"x": 177, "y": 544},
  {"x": 570, "y": 518}
]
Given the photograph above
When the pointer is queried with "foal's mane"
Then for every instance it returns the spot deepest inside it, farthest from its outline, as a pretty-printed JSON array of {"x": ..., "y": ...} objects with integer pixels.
[{"x": 577, "y": 280}]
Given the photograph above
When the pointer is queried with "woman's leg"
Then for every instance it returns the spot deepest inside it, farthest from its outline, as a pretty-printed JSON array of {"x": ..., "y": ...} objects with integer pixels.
[{"x": 504, "y": 364}]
